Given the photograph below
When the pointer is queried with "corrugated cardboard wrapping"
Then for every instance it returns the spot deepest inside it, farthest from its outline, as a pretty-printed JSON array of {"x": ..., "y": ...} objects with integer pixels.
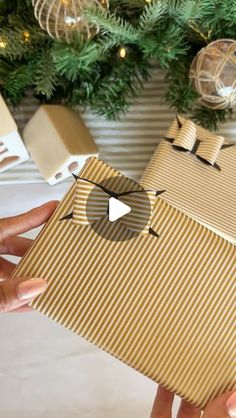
[
  {"x": 161, "y": 300},
  {"x": 198, "y": 170}
]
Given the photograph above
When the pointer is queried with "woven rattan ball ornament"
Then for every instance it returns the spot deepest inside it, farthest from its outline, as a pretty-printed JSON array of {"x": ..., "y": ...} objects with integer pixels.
[
  {"x": 62, "y": 19},
  {"x": 213, "y": 74}
]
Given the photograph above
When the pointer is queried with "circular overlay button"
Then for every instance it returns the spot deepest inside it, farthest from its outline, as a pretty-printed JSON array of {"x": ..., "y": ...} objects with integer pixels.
[{"x": 118, "y": 208}]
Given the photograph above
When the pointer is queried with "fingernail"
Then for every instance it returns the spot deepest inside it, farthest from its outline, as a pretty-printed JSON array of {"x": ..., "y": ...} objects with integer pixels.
[
  {"x": 56, "y": 203},
  {"x": 30, "y": 288},
  {"x": 231, "y": 405}
]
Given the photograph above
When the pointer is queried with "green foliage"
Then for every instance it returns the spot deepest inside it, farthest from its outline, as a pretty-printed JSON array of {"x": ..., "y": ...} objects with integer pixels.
[
  {"x": 151, "y": 16},
  {"x": 17, "y": 44},
  {"x": 180, "y": 93},
  {"x": 110, "y": 23},
  {"x": 17, "y": 81},
  {"x": 75, "y": 59},
  {"x": 93, "y": 74},
  {"x": 185, "y": 11},
  {"x": 170, "y": 47},
  {"x": 45, "y": 77},
  {"x": 211, "y": 118},
  {"x": 124, "y": 81}
]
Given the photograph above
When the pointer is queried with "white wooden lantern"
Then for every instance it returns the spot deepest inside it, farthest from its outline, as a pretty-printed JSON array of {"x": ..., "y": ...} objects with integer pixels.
[
  {"x": 12, "y": 149},
  {"x": 58, "y": 142}
]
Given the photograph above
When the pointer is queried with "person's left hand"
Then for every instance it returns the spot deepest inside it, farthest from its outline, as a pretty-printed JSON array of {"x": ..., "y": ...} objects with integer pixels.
[{"x": 17, "y": 292}]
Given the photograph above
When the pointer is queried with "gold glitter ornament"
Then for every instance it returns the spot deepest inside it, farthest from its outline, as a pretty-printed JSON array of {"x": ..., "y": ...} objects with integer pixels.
[
  {"x": 63, "y": 18},
  {"x": 213, "y": 74}
]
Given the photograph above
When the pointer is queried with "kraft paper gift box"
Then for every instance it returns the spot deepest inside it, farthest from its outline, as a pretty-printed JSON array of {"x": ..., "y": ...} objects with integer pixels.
[
  {"x": 197, "y": 168},
  {"x": 155, "y": 288}
]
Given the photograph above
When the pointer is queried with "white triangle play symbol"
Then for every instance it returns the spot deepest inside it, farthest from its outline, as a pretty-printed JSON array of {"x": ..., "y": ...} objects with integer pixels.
[{"x": 117, "y": 209}]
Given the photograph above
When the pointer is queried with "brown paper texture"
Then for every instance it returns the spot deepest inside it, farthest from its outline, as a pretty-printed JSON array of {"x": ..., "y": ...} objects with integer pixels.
[
  {"x": 202, "y": 181},
  {"x": 162, "y": 304}
]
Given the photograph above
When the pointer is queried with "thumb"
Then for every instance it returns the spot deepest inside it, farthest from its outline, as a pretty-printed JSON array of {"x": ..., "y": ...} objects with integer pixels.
[
  {"x": 18, "y": 291},
  {"x": 222, "y": 407}
]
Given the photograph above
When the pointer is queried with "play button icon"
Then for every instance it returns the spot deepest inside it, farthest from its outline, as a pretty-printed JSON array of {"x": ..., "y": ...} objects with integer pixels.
[
  {"x": 109, "y": 199},
  {"x": 117, "y": 209}
]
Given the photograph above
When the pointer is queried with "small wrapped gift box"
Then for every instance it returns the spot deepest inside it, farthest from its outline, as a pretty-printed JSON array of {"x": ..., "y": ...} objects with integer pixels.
[
  {"x": 154, "y": 288},
  {"x": 197, "y": 169}
]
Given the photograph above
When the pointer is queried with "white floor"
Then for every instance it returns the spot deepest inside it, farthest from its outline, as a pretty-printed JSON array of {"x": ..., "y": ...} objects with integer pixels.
[{"x": 48, "y": 372}]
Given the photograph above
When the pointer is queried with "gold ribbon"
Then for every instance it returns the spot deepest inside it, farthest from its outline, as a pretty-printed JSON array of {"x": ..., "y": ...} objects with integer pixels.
[
  {"x": 185, "y": 135},
  {"x": 92, "y": 201}
]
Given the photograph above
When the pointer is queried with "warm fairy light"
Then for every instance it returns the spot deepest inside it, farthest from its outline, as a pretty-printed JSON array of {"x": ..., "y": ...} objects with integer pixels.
[
  {"x": 122, "y": 52},
  {"x": 3, "y": 43},
  {"x": 26, "y": 36},
  {"x": 148, "y": 1}
]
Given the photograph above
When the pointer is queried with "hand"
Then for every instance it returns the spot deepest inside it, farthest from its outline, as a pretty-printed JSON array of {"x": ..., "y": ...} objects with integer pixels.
[
  {"x": 17, "y": 292},
  {"x": 222, "y": 407}
]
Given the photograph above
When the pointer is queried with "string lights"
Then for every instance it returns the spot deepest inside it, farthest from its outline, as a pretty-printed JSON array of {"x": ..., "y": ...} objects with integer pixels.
[
  {"x": 122, "y": 52},
  {"x": 26, "y": 36},
  {"x": 3, "y": 43}
]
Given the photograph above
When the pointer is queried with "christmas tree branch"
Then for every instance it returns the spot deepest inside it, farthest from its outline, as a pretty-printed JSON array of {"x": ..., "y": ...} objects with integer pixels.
[
  {"x": 151, "y": 16},
  {"x": 107, "y": 71},
  {"x": 45, "y": 75},
  {"x": 167, "y": 45},
  {"x": 17, "y": 81},
  {"x": 115, "y": 93},
  {"x": 210, "y": 118},
  {"x": 180, "y": 94},
  {"x": 185, "y": 11},
  {"x": 76, "y": 59},
  {"x": 109, "y": 23},
  {"x": 14, "y": 44}
]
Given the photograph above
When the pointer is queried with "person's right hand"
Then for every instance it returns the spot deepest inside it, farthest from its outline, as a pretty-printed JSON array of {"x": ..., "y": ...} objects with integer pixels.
[
  {"x": 224, "y": 406},
  {"x": 17, "y": 292}
]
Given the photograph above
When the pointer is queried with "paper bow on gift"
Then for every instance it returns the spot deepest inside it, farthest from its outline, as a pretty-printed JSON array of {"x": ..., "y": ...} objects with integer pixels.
[
  {"x": 185, "y": 135},
  {"x": 92, "y": 202}
]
